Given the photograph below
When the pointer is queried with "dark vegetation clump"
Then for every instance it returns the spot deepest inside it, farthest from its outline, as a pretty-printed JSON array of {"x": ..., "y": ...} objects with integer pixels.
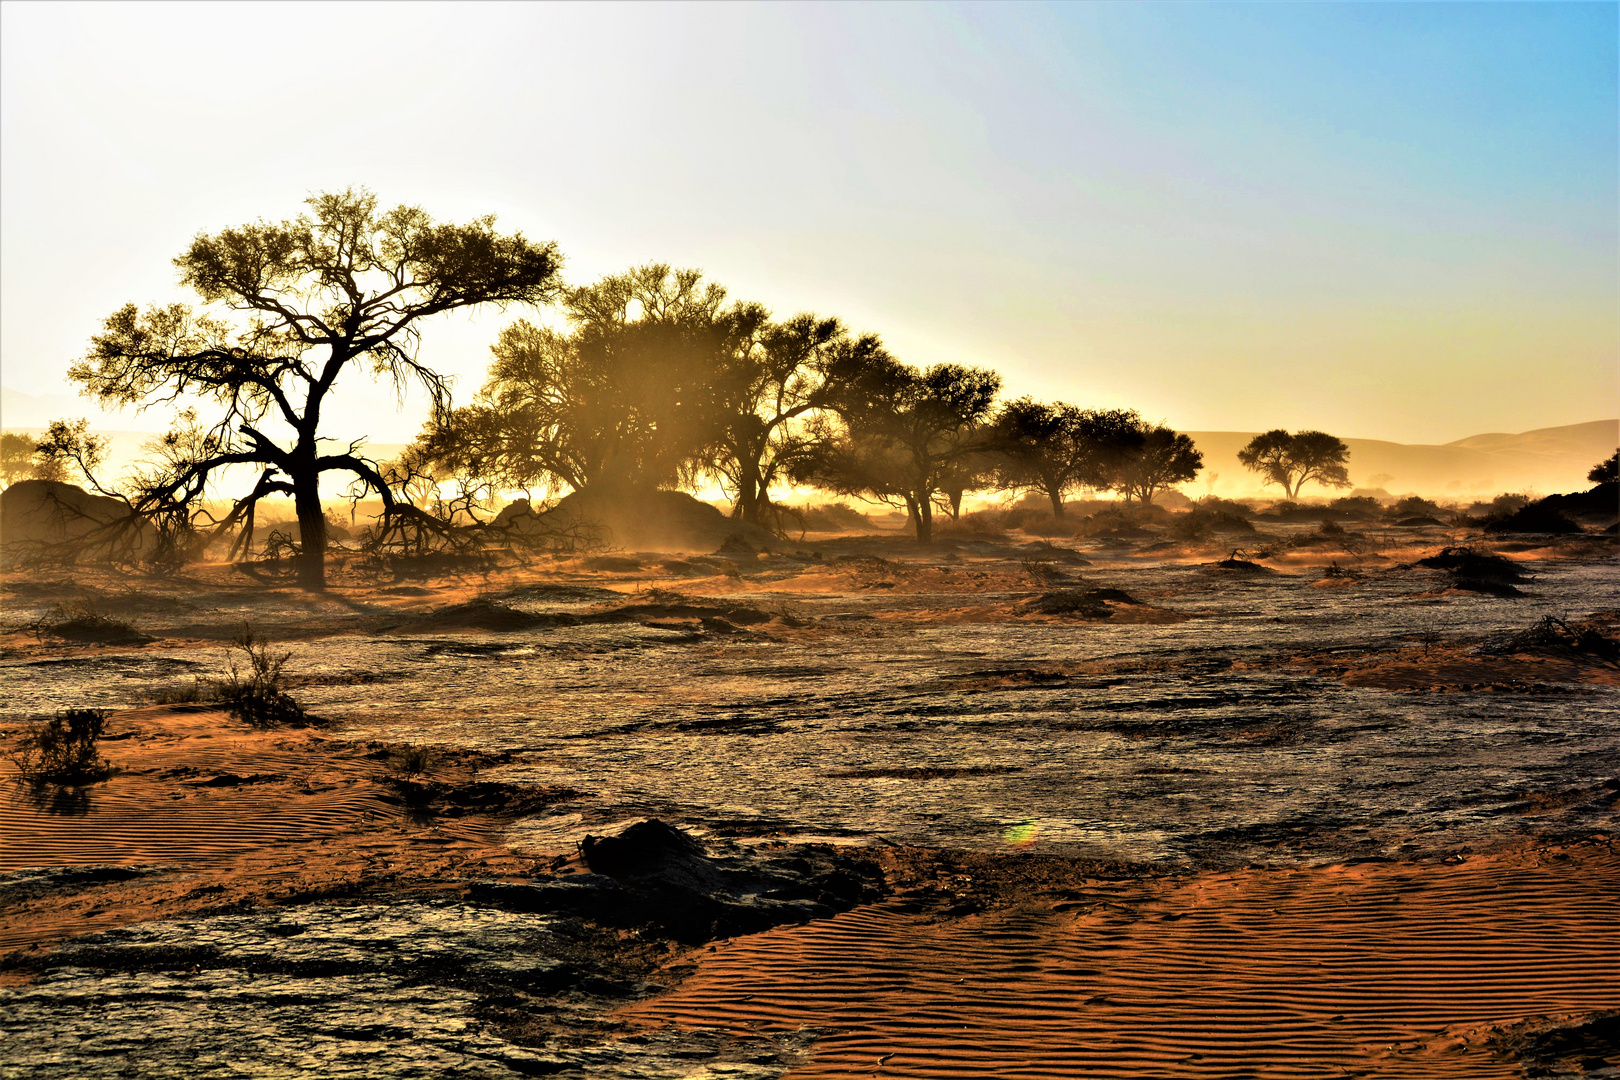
[
  {"x": 1236, "y": 561},
  {"x": 1077, "y": 603},
  {"x": 63, "y": 750},
  {"x": 831, "y": 517},
  {"x": 1475, "y": 572},
  {"x": 1413, "y": 507},
  {"x": 1363, "y": 507},
  {"x": 1534, "y": 518},
  {"x": 1204, "y": 519},
  {"x": 1041, "y": 568},
  {"x": 79, "y": 620},
  {"x": 412, "y": 760},
  {"x": 253, "y": 692},
  {"x": 1550, "y": 633}
]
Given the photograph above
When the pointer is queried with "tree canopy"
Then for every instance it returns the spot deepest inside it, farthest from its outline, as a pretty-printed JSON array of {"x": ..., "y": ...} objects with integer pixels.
[
  {"x": 1158, "y": 458},
  {"x": 895, "y": 433},
  {"x": 291, "y": 306},
  {"x": 1291, "y": 461},
  {"x": 1057, "y": 448},
  {"x": 1606, "y": 471}
]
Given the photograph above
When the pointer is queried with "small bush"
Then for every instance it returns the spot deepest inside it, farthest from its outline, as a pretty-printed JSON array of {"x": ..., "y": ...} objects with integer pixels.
[
  {"x": 80, "y": 620},
  {"x": 1042, "y": 569},
  {"x": 253, "y": 693},
  {"x": 832, "y": 517},
  {"x": 1357, "y": 506},
  {"x": 62, "y": 750},
  {"x": 1414, "y": 507},
  {"x": 412, "y": 760}
]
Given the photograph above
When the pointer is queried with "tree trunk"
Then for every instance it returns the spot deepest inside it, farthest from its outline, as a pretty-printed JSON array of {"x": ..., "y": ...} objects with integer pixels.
[
  {"x": 956, "y": 504},
  {"x": 1056, "y": 496},
  {"x": 311, "y": 532},
  {"x": 925, "y": 521},
  {"x": 748, "y": 499}
]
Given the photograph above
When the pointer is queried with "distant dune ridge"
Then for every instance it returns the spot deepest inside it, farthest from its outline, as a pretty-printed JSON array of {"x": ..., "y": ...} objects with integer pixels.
[{"x": 1545, "y": 461}]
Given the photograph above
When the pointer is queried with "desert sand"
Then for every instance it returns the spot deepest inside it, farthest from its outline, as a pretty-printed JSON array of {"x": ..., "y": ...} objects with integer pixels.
[{"x": 843, "y": 807}]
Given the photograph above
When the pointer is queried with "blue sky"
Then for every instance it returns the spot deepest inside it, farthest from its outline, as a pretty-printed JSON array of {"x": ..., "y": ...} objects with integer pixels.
[{"x": 1385, "y": 220}]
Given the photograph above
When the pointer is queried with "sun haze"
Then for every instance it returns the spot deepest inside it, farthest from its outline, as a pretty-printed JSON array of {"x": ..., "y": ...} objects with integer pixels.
[{"x": 1389, "y": 221}]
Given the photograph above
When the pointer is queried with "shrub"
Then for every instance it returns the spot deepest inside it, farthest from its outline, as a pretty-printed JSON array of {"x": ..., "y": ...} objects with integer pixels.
[
  {"x": 832, "y": 517},
  {"x": 80, "y": 620},
  {"x": 412, "y": 760},
  {"x": 254, "y": 694},
  {"x": 1357, "y": 506},
  {"x": 1535, "y": 518},
  {"x": 62, "y": 750},
  {"x": 1413, "y": 506}
]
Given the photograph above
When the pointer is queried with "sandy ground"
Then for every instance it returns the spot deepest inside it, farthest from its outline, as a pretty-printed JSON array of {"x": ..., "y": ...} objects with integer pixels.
[{"x": 998, "y": 808}]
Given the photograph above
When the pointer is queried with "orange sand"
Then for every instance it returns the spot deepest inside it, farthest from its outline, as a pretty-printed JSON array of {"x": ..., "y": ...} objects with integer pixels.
[{"x": 1393, "y": 970}]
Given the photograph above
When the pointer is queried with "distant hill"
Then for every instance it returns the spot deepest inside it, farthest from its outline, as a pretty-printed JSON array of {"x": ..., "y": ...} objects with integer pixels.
[{"x": 1544, "y": 461}]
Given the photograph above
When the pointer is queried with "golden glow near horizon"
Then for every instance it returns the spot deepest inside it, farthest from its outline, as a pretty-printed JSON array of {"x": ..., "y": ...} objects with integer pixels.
[{"x": 1384, "y": 221}]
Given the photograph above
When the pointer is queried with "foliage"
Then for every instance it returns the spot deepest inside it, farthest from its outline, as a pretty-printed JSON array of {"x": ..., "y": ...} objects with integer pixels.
[
  {"x": 1057, "y": 448},
  {"x": 412, "y": 760},
  {"x": 1413, "y": 506},
  {"x": 253, "y": 689},
  {"x": 17, "y": 461},
  {"x": 1291, "y": 461},
  {"x": 63, "y": 750},
  {"x": 894, "y": 433},
  {"x": 345, "y": 285},
  {"x": 628, "y": 399},
  {"x": 1162, "y": 458},
  {"x": 1606, "y": 471},
  {"x": 78, "y": 619}
]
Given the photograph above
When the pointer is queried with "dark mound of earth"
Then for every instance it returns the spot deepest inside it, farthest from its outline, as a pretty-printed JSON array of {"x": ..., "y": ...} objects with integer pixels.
[
  {"x": 1474, "y": 572},
  {"x": 637, "y": 520},
  {"x": 1534, "y": 518},
  {"x": 1076, "y": 603},
  {"x": 653, "y": 874}
]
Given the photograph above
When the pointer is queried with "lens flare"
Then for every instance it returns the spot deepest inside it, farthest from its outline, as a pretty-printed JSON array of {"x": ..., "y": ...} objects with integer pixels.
[{"x": 1022, "y": 835}]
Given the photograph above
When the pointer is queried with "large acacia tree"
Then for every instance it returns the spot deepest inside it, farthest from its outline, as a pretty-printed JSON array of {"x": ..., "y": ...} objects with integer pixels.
[
  {"x": 1292, "y": 461},
  {"x": 294, "y": 305},
  {"x": 630, "y": 398}
]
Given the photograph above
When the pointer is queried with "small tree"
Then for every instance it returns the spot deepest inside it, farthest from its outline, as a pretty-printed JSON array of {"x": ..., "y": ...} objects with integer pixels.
[
  {"x": 1293, "y": 460},
  {"x": 16, "y": 456},
  {"x": 314, "y": 297},
  {"x": 1161, "y": 459},
  {"x": 1607, "y": 471}
]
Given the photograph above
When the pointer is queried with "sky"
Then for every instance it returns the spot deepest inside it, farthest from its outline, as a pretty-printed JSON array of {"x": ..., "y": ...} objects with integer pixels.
[{"x": 1381, "y": 220}]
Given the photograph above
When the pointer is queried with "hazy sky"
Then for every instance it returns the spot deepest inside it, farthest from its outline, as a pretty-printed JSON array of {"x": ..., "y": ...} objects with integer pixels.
[{"x": 1384, "y": 220}]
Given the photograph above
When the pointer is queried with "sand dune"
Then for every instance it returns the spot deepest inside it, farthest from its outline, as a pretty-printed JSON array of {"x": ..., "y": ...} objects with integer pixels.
[{"x": 1363, "y": 970}]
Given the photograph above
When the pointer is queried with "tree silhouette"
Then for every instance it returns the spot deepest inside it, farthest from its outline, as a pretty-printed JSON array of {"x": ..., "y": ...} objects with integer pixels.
[
  {"x": 1292, "y": 460},
  {"x": 1160, "y": 459},
  {"x": 1606, "y": 471},
  {"x": 631, "y": 398},
  {"x": 16, "y": 456},
  {"x": 766, "y": 387},
  {"x": 895, "y": 433},
  {"x": 1057, "y": 448},
  {"x": 341, "y": 285}
]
